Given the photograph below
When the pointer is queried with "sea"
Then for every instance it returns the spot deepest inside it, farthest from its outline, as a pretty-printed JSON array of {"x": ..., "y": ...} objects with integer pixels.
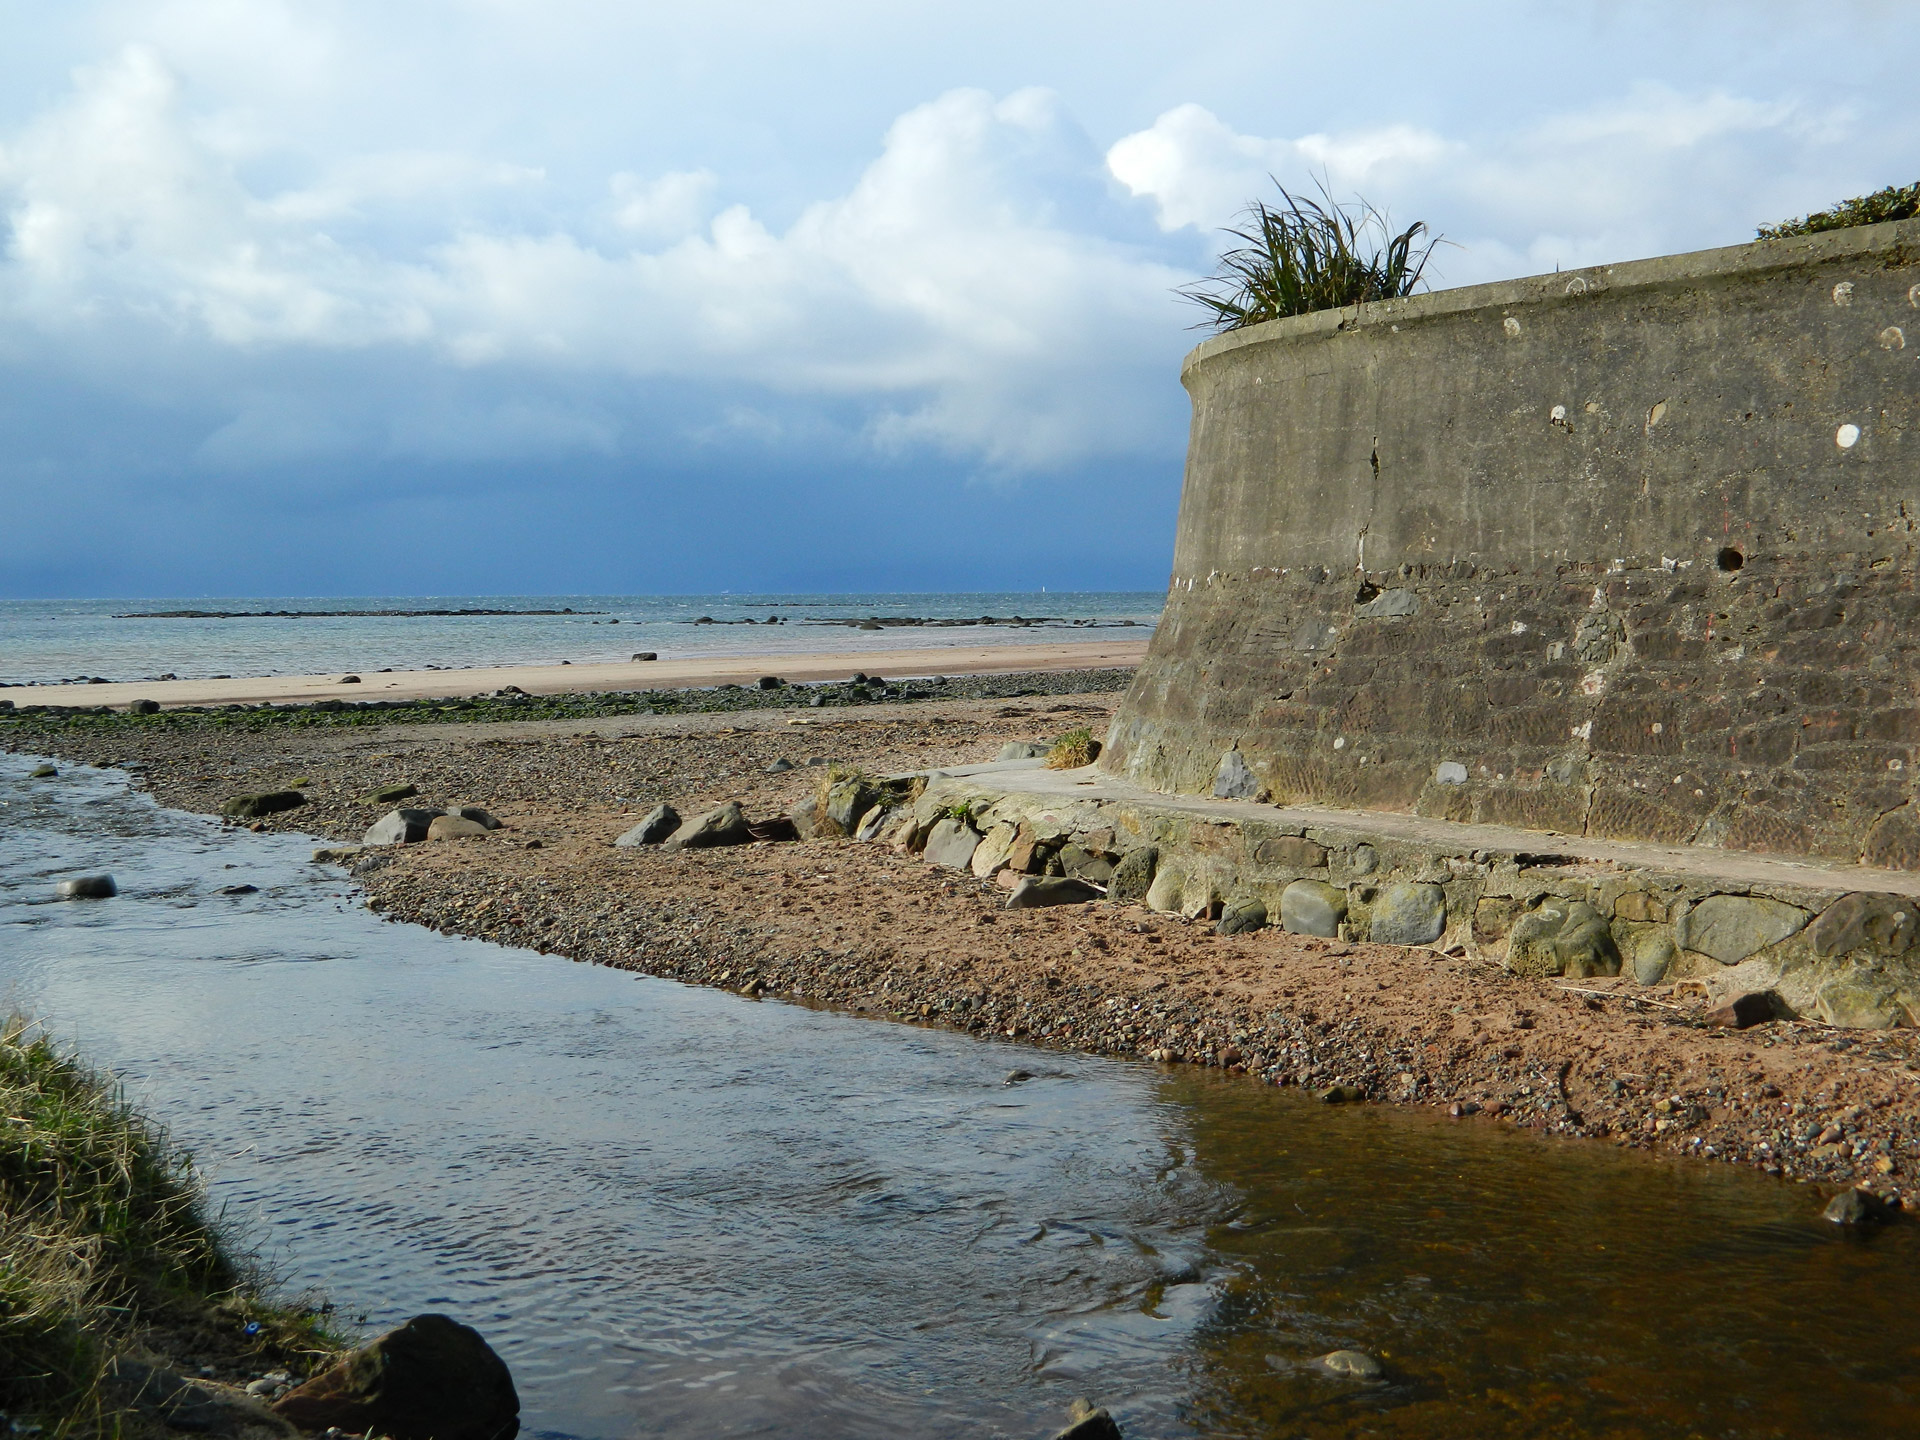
[{"x": 51, "y": 641}]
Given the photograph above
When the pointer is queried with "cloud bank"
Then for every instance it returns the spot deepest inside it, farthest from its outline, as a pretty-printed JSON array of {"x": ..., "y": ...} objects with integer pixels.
[{"x": 325, "y": 259}]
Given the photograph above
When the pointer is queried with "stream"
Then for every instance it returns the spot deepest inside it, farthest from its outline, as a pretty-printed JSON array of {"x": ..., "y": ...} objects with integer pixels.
[{"x": 680, "y": 1212}]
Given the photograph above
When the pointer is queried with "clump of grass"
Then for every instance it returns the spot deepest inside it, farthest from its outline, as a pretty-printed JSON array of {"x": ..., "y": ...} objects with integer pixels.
[
  {"x": 1072, "y": 750},
  {"x": 1896, "y": 202},
  {"x": 104, "y": 1234},
  {"x": 1301, "y": 256}
]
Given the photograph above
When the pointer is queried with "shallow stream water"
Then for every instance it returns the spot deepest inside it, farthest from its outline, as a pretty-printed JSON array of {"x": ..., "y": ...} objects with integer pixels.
[{"x": 678, "y": 1212}]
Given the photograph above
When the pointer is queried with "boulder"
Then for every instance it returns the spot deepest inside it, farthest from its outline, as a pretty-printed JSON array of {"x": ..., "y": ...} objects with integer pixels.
[
  {"x": 1133, "y": 876},
  {"x": 1240, "y": 916},
  {"x": 405, "y": 826},
  {"x": 272, "y": 802},
  {"x": 1290, "y": 852},
  {"x": 144, "y": 707},
  {"x": 1233, "y": 780},
  {"x": 1309, "y": 907},
  {"x": 454, "y": 827},
  {"x": 646, "y": 655},
  {"x": 1353, "y": 1364},
  {"x": 722, "y": 825},
  {"x": 336, "y": 854},
  {"x": 1885, "y": 924},
  {"x": 1731, "y": 927},
  {"x": 1653, "y": 955},
  {"x": 390, "y": 794},
  {"x": 432, "y": 1379},
  {"x": 1022, "y": 750},
  {"x": 1562, "y": 937},
  {"x": 656, "y": 825},
  {"x": 43, "y": 772},
  {"x": 1087, "y": 1421},
  {"x": 877, "y": 819},
  {"x": 1859, "y": 997},
  {"x": 1163, "y": 894},
  {"x": 992, "y": 851},
  {"x": 1036, "y": 892},
  {"x": 475, "y": 814},
  {"x": 1857, "y": 1207},
  {"x": 1742, "y": 1011},
  {"x": 1408, "y": 914},
  {"x": 846, "y": 803},
  {"x": 87, "y": 887},
  {"x": 952, "y": 842},
  {"x": 806, "y": 819},
  {"x": 1084, "y": 865}
]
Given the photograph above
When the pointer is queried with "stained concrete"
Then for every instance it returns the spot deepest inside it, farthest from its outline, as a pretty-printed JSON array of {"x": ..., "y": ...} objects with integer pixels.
[{"x": 1626, "y": 552}]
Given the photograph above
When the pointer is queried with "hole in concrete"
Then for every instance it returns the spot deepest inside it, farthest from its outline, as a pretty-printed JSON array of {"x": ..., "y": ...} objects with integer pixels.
[{"x": 1729, "y": 559}]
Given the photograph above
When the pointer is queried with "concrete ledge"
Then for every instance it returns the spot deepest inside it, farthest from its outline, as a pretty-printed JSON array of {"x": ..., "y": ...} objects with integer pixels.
[{"x": 1833, "y": 942}]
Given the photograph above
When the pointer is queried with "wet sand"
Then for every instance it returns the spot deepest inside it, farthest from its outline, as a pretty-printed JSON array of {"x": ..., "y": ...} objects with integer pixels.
[
  {"x": 568, "y": 679},
  {"x": 861, "y": 927}
]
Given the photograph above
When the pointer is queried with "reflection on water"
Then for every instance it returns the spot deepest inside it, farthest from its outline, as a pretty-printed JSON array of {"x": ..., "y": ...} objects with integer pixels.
[
  {"x": 677, "y": 1212},
  {"x": 1520, "y": 1287}
]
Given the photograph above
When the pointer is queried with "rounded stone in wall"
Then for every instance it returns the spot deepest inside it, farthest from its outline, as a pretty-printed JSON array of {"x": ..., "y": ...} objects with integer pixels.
[{"x": 1412, "y": 914}]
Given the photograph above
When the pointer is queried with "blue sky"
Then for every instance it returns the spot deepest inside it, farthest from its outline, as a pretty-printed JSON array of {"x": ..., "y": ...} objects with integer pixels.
[{"x": 464, "y": 296}]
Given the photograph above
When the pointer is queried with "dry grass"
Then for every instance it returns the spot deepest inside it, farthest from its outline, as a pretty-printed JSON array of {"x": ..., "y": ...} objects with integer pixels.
[{"x": 1072, "y": 750}]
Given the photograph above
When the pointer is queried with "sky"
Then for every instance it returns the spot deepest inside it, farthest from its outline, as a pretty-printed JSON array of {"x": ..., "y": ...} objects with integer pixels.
[{"x": 436, "y": 297}]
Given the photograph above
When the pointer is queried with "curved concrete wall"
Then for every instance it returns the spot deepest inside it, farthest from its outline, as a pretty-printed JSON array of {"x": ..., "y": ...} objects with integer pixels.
[{"x": 1626, "y": 551}]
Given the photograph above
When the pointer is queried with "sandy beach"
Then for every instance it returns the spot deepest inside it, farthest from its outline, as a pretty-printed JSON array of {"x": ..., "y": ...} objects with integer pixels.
[
  {"x": 862, "y": 927},
  {"x": 567, "y": 679}
]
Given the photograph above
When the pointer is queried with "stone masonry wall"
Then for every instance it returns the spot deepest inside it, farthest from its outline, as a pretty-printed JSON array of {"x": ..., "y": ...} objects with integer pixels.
[{"x": 1626, "y": 552}]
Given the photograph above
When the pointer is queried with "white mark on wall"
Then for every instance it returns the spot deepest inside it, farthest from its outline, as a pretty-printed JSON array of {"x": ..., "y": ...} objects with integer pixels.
[
  {"x": 1656, "y": 414},
  {"x": 1556, "y": 649},
  {"x": 1896, "y": 764},
  {"x": 1658, "y": 727},
  {"x": 1582, "y": 731},
  {"x": 1577, "y": 285},
  {"x": 1510, "y": 325},
  {"x": 1451, "y": 772},
  {"x": 1847, "y": 436},
  {"x": 1593, "y": 682},
  {"x": 1340, "y": 743},
  {"x": 1843, "y": 293},
  {"x": 1913, "y": 296},
  {"x": 1519, "y": 627},
  {"x": 1893, "y": 338},
  {"x": 1558, "y": 416}
]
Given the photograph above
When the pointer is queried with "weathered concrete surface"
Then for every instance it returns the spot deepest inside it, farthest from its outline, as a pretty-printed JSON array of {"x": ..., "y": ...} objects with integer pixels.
[
  {"x": 1830, "y": 941},
  {"x": 1622, "y": 552}
]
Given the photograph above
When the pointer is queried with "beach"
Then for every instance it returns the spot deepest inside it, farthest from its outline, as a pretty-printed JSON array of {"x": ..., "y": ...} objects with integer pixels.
[
  {"x": 865, "y": 928},
  {"x": 570, "y": 679}
]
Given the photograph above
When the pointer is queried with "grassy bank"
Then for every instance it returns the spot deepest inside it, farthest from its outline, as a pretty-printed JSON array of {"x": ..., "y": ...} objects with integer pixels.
[{"x": 108, "y": 1249}]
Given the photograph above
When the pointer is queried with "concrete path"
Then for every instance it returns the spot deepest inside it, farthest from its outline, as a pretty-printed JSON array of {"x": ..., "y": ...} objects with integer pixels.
[{"x": 1741, "y": 867}]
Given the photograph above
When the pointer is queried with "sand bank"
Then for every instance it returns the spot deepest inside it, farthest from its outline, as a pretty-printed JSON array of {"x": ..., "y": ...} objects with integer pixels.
[{"x": 567, "y": 679}]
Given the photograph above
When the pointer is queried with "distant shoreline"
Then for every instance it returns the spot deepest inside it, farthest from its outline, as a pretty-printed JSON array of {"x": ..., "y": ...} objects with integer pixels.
[{"x": 567, "y": 679}]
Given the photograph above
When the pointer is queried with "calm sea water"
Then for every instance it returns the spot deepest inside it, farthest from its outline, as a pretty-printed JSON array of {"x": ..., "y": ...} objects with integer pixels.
[
  {"x": 52, "y": 640},
  {"x": 680, "y": 1213}
]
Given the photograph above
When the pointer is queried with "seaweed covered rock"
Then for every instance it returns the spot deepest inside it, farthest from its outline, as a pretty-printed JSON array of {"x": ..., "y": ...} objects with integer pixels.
[
  {"x": 272, "y": 802},
  {"x": 431, "y": 1379}
]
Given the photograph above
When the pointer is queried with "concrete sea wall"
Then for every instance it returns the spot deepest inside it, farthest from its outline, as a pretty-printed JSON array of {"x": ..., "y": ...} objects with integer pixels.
[{"x": 1621, "y": 552}]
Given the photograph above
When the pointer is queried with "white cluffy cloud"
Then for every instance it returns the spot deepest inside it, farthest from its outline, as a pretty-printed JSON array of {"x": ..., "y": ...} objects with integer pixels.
[
  {"x": 949, "y": 289},
  {"x": 1650, "y": 172}
]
